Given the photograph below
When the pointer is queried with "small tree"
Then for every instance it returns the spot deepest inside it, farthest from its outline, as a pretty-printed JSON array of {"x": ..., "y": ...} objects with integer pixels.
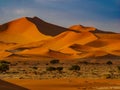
[
  {"x": 109, "y": 63},
  {"x": 54, "y": 61},
  {"x": 75, "y": 68}
]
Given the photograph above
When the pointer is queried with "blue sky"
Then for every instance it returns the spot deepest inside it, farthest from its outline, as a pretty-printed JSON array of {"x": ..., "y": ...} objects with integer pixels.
[{"x": 103, "y": 14}]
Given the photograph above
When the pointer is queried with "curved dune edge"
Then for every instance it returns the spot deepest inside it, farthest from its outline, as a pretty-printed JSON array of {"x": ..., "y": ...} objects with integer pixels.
[{"x": 67, "y": 84}]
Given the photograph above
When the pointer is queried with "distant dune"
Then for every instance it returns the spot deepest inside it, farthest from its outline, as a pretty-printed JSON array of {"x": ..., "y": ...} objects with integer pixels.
[{"x": 33, "y": 36}]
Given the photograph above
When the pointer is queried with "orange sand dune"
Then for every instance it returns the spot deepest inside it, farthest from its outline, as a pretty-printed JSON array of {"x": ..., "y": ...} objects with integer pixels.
[
  {"x": 68, "y": 38},
  {"x": 20, "y": 31},
  {"x": 83, "y": 48},
  {"x": 33, "y": 36},
  {"x": 82, "y": 28},
  {"x": 47, "y": 28},
  {"x": 69, "y": 51},
  {"x": 108, "y": 36},
  {"x": 115, "y": 52},
  {"x": 4, "y": 47},
  {"x": 68, "y": 84},
  {"x": 59, "y": 43}
]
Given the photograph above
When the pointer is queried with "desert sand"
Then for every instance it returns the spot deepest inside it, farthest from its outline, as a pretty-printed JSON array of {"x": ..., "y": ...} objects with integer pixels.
[
  {"x": 29, "y": 44},
  {"x": 33, "y": 36},
  {"x": 68, "y": 84}
]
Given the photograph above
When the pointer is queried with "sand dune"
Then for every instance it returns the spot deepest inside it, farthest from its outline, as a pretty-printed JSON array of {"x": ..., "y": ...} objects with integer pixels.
[
  {"x": 82, "y": 28},
  {"x": 33, "y": 36},
  {"x": 20, "y": 31},
  {"x": 47, "y": 28}
]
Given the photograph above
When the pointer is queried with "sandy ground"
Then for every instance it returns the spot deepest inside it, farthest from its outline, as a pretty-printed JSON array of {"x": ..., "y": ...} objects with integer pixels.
[{"x": 67, "y": 84}]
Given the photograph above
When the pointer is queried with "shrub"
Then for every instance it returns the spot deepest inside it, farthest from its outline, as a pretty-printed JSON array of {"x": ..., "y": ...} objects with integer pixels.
[
  {"x": 109, "y": 63},
  {"x": 118, "y": 68},
  {"x": 4, "y": 67},
  {"x": 54, "y": 61},
  {"x": 6, "y": 62},
  {"x": 85, "y": 62},
  {"x": 50, "y": 69},
  {"x": 59, "y": 68},
  {"x": 109, "y": 76},
  {"x": 75, "y": 67},
  {"x": 35, "y": 67}
]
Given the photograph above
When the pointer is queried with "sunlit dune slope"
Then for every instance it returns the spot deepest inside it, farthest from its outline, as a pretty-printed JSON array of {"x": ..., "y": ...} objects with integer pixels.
[
  {"x": 20, "y": 31},
  {"x": 68, "y": 38},
  {"x": 59, "y": 43},
  {"x": 82, "y": 28}
]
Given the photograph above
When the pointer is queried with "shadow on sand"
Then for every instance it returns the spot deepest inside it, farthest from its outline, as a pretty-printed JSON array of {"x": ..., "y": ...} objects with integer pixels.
[{"x": 9, "y": 86}]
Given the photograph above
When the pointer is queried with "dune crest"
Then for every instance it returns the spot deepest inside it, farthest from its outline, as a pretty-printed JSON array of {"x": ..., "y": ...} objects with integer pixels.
[{"x": 82, "y": 28}]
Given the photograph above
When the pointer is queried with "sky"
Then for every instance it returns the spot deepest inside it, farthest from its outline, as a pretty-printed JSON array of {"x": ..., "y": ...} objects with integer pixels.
[{"x": 102, "y": 14}]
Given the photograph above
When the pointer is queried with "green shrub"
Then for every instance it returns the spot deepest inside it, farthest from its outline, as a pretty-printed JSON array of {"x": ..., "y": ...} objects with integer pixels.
[
  {"x": 75, "y": 67},
  {"x": 109, "y": 63}
]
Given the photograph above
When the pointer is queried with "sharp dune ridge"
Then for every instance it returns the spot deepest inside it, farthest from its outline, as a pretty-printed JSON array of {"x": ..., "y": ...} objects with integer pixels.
[{"x": 34, "y": 36}]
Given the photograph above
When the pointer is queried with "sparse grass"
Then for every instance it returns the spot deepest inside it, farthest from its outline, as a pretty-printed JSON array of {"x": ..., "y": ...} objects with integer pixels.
[{"x": 47, "y": 70}]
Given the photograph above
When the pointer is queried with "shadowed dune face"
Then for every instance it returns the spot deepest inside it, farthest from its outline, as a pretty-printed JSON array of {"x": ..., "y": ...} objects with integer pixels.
[
  {"x": 4, "y": 85},
  {"x": 3, "y": 27},
  {"x": 47, "y": 28}
]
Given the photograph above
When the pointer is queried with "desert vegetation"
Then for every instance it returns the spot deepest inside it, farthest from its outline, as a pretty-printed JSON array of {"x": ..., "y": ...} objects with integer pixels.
[
  {"x": 4, "y": 66},
  {"x": 58, "y": 69}
]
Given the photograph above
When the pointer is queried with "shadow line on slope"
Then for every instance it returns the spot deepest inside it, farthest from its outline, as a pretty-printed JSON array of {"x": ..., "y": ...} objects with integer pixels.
[{"x": 4, "y": 85}]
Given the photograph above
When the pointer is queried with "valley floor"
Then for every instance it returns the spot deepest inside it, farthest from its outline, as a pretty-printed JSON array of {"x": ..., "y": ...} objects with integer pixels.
[
  {"x": 67, "y": 84},
  {"x": 52, "y": 75}
]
